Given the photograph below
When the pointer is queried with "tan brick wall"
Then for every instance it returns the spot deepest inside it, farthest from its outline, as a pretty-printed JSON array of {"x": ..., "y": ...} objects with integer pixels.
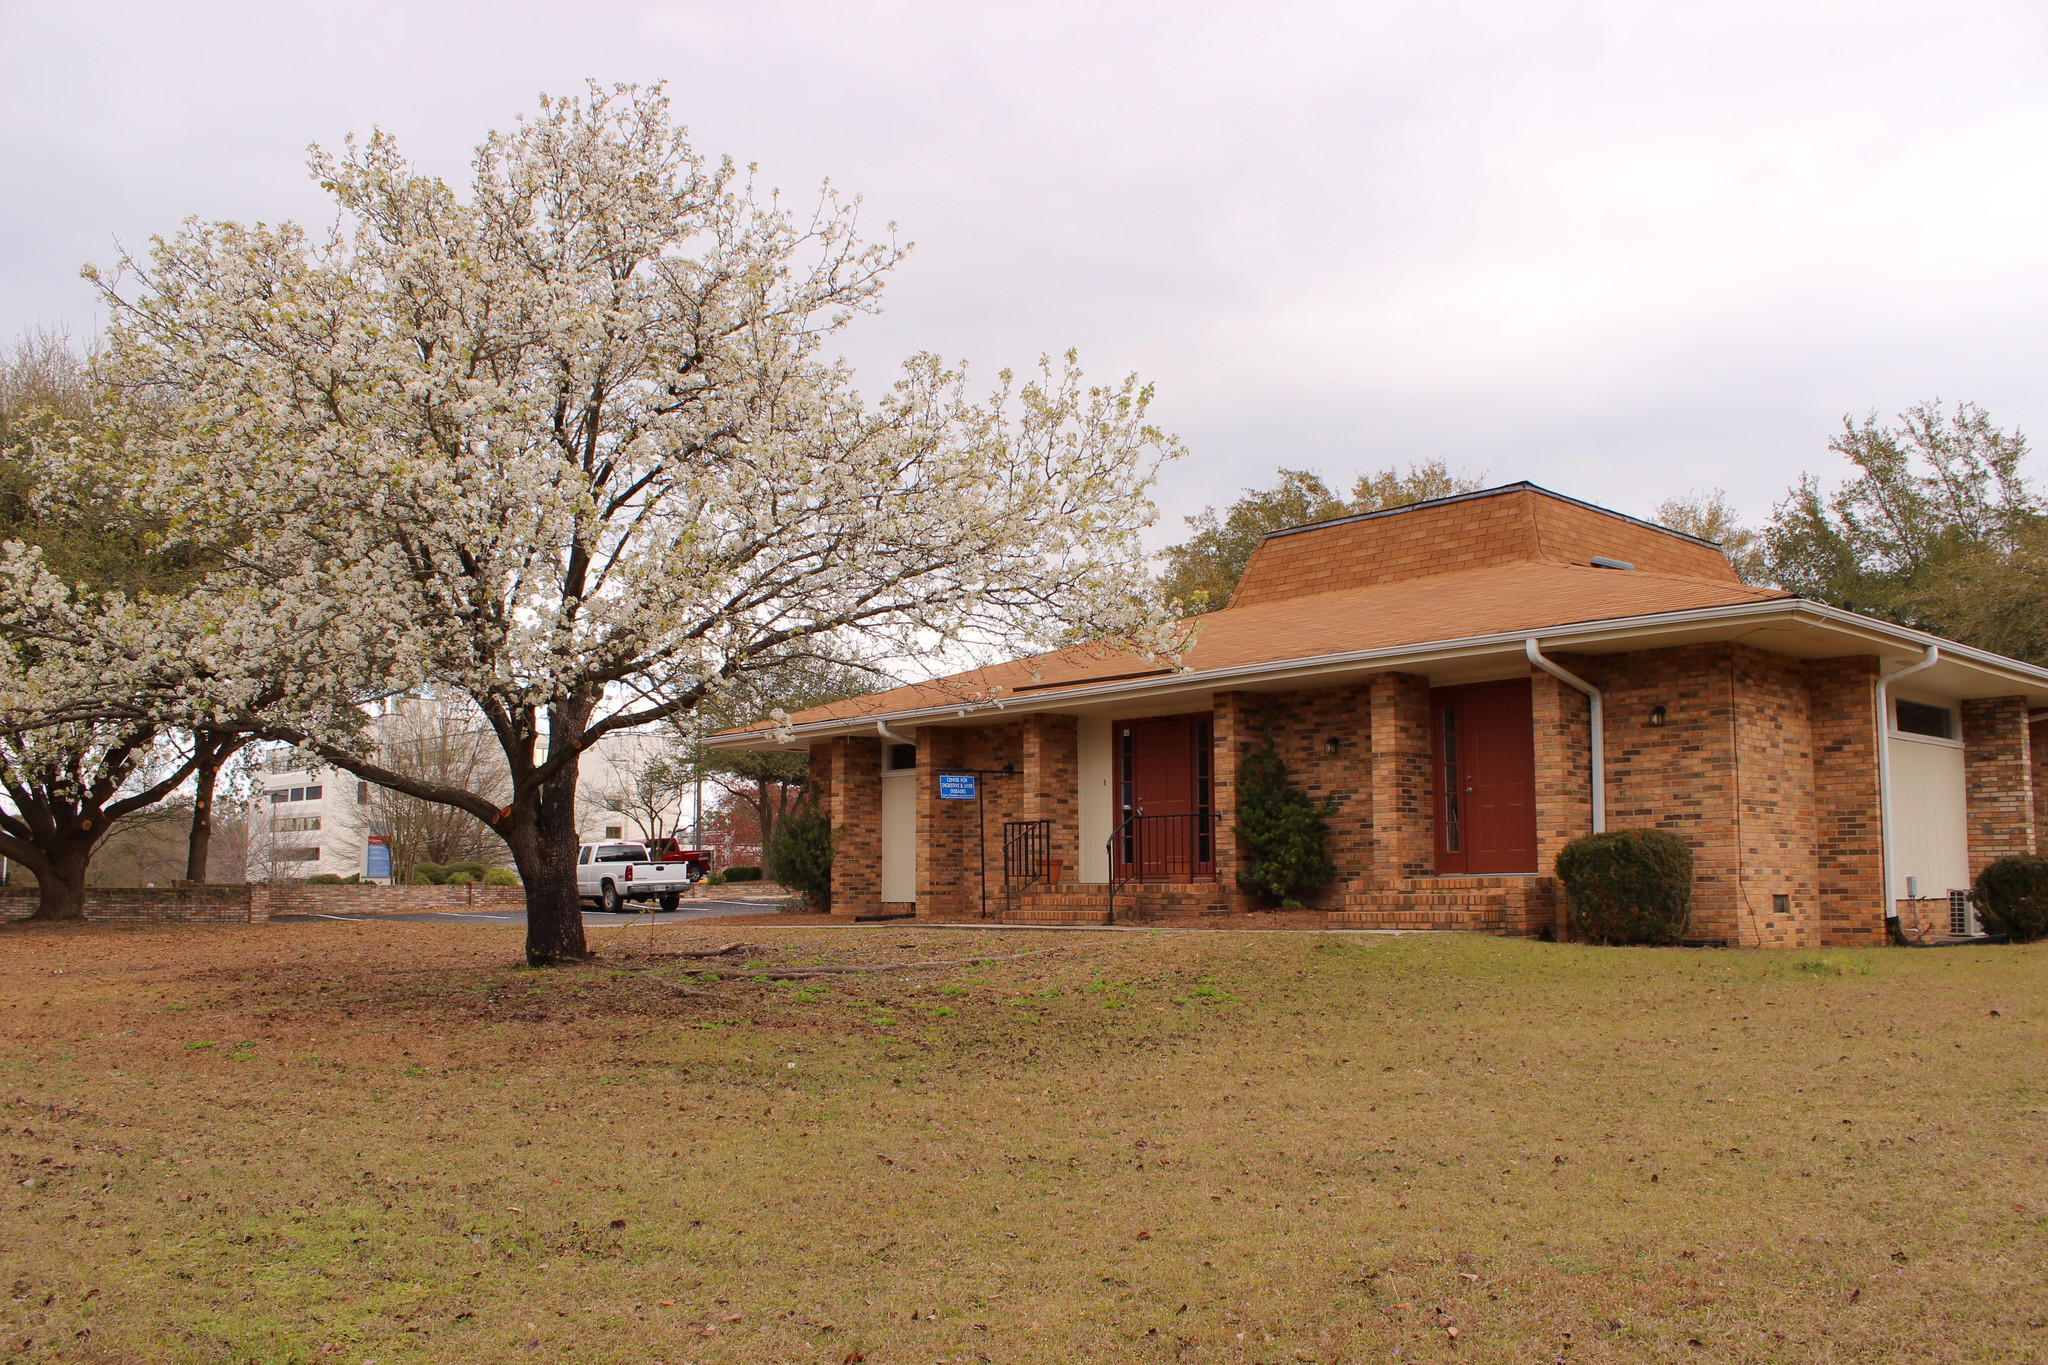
[
  {"x": 1774, "y": 794},
  {"x": 186, "y": 903},
  {"x": 846, "y": 781},
  {"x": 1510, "y": 528},
  {"x": 1302, "y": 726},
  {"x": 1779, "y": 749},
  {"x": 1848, "y": 839},
  {"x": 1051, "y": 786},
  {"x": 1998, "y": 776},
  {"x": 1403, "y": 799},
  {"x": 1561, "y": 722},
  {"x": 954, "y": 845}
]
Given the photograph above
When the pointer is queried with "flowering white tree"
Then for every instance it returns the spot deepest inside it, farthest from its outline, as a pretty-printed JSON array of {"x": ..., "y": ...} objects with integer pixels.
[
  {"x": 69, "y": 767},
  {"x": 569, "y": 444}
]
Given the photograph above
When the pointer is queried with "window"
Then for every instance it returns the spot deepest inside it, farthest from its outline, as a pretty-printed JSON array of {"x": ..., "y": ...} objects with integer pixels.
[
  {"x": 584, "y": 856},
  {"x": 298, "y": 855},
  {"x": 622, "y": 853},
  {"x": 1918, "y": 718},
  {"x": 296, "y": 824},
  {"x": 312, "y": 793},
  {"x": 614, "y": 831},
  {"x": 902, "y": 756},
  {"x": 297, "y": 794},
  {"x": 1781, "y": 905},
  {"x": 279, "y": 797},
  {"x": 362, "y": 793}
]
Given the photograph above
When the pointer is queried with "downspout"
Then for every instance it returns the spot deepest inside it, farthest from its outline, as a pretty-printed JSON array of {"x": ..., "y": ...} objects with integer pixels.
[
  {"x": 1599, "y": 728},
  {"x": 1884, "y": 786},
  {"x": 882, "y": 729}
]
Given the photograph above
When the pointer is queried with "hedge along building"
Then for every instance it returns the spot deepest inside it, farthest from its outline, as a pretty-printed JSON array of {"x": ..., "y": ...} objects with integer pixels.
[{"x": 1473, "y": 682}]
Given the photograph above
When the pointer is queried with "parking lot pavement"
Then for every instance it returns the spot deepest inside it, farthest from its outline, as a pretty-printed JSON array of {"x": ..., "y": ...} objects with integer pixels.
[{"x": 592, "y": 919}]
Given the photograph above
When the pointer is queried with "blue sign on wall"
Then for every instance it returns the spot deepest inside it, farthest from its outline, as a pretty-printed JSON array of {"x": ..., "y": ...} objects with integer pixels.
[
  {"x": 957, "y": 786},
  {"x": 378, "y": 860}
]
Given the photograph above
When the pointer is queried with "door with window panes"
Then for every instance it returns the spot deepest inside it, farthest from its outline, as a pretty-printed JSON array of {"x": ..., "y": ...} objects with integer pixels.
[
  {"x": 1165, "y": 793},
  {"x": 1484, "y": 745}
]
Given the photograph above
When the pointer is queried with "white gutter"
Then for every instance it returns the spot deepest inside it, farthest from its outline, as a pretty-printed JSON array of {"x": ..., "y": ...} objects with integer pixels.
[
  {"x": 1599, "y": 728},
  {"x": 882, "y": 729},
  {"x": 1884, "y": 771}
]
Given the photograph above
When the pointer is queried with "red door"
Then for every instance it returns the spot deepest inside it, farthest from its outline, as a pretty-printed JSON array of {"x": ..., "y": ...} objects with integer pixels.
[
  {"x": 1485, "y": 750},
  {"x": 1164, "y": 792}
]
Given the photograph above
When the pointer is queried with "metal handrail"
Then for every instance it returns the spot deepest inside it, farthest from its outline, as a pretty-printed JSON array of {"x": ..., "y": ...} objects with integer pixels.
[
  {"x": 1176, "y": 845},
  {"x": 1027, "y": 855}
]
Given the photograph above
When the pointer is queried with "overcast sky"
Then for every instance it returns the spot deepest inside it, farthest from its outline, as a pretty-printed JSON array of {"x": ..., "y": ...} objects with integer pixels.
[{"x": 1621, "y": 250}]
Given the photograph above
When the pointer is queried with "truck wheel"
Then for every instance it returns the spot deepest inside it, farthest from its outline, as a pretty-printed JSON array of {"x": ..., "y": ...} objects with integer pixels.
[
  {"x": 609, "y": 901},
  {"x": 670, "y": 902}
]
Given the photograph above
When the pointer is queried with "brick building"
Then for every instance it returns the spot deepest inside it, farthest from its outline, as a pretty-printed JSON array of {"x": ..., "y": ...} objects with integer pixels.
[{"x": 1474, "y": 681}]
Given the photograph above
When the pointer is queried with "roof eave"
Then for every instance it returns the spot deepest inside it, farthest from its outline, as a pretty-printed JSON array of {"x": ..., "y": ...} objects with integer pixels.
[{"x": 1560, "y": 637}]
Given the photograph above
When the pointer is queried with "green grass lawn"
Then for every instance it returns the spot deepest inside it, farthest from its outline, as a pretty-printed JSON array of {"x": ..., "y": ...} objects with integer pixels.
[{"x": 385, "y": 1143}]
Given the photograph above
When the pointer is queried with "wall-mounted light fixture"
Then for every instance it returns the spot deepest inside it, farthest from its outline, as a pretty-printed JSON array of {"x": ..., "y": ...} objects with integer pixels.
[
  {"x": 1332, "y": 744},
  {"x": 1657, "y": 716}
]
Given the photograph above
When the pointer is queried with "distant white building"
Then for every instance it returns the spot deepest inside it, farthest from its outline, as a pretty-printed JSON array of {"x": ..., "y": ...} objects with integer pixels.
[{"x": 314, "y": 820}]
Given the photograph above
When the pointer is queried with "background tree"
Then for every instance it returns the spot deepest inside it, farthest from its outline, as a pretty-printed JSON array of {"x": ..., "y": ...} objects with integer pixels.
[
  {"x": 1938, "y": 509},
  {"x": 439, "y": 741},
  {"x": 1706, "y": 514},
  {"x": 569, "y": 447},
  {"x": 86, "y": 544},
  {"x": 770, "y": 783},
  {"x": 1203, "y": 570},
  {"x": 650, "y": 785}
]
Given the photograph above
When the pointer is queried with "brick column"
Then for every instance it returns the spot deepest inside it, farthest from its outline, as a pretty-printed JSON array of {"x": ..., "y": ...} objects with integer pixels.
[
  {"x": 1237, "y": 727},
  {"x": 942, "y": 836},
  {"x": 1051, "y": 783},
  {"x": 1403, "y": 805},
  {"x": 1848, "y": 852},
  {"x": 1561, "y": 717},
  {"x": 1999, "y": 779},
  {"x": 852, "y": 796}
]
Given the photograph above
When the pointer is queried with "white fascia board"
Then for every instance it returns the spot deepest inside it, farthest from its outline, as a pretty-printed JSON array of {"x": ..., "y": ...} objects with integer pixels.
[{"x": 1794, "y": 611}]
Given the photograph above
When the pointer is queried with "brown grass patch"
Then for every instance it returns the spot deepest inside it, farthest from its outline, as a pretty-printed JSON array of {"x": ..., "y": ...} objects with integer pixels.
[{"x": 386, "y": 1142}]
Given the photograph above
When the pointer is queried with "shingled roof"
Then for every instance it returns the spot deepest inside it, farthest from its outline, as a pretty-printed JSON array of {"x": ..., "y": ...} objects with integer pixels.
[{"x": 1511, "y": 559}]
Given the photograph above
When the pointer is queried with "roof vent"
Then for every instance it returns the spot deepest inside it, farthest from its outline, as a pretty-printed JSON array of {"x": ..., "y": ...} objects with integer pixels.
[{"x": 1603, "y": 562}]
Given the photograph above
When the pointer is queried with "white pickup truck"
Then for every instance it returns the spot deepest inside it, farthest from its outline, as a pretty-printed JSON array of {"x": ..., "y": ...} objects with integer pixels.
[{"x": 614, "y": 873}]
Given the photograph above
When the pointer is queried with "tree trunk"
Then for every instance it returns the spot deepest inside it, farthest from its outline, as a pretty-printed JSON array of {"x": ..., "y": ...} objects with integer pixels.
[
  {"x": 543, "y": 843},
  {"x": 60, "y": 883},
  {"x": 200, "y": 841}
]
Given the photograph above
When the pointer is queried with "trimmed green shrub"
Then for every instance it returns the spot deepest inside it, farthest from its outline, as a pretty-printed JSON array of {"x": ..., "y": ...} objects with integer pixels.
[
  {"x": 499, "y": 876},
  {"x": 743, "y": 873},
  {"x": 324, "y": 879},
  {"x": 1286, "y": 836},
  {"x": 1628, "y": 886},
  {"x": 459, "y": 878},
  {"x": 2011, "y": 897},
  {"x": 799, "y": 856},
  {"x": 474, "y": 871},
  {"x": 434, "y": 873},
  {"x": 714, "y": 879},
  {"x": 420, "y": 878}
]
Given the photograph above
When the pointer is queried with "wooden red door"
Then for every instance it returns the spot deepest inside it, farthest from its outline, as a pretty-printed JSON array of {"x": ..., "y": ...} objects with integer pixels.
[
  {"x": 1164, "y": 792},
  {"x": 1484, "y": 744}
]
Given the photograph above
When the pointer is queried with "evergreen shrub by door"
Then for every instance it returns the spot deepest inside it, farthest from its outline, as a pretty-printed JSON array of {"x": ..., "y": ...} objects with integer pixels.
[
  {"x": 2011, "y": 896},
  {"x": 1628, "y": 886},
  {"x": 1285, "y": 835}
]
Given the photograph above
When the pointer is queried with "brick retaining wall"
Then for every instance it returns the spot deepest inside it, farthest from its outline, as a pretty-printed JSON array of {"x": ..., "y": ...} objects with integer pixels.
[{"x": 187, "y": 904}]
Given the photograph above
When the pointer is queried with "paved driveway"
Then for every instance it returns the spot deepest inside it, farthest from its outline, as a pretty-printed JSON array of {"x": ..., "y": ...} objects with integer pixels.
[{"x": 592, "y": 919}]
